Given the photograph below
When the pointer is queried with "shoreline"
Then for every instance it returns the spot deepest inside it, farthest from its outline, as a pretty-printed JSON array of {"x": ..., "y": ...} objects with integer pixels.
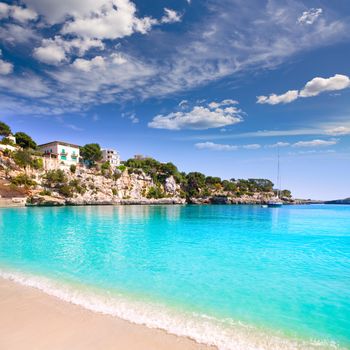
[{"x": 32, "y": 319}]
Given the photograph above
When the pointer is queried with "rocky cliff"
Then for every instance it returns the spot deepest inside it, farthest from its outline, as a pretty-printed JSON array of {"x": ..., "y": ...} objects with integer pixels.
[{"x": 155, "y": 183}]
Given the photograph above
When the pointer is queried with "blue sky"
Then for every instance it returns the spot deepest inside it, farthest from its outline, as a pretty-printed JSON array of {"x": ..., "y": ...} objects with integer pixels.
[{"x": 216, "y": 86}]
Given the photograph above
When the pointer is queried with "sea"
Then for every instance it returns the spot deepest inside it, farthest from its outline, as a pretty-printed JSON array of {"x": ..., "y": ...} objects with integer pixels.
[{"x": 233, "y": 276}]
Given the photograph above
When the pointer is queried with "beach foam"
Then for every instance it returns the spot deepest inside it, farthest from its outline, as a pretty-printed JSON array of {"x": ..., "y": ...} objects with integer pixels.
[{"x": 226, "y": 335}]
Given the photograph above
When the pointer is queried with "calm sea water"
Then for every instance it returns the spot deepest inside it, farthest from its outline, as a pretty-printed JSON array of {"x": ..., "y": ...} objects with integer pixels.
[{"x": 240, "y": 277}]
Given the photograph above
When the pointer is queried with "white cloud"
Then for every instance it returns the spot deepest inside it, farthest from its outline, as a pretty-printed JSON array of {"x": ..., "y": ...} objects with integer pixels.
[
  {"x": 57, "y": 11},
  {"x": 14, "y": 34},
  {"x": 224, "y": 147},
  {"x": 215, "y": 146},
  {"x": 279, "y": 144},
  {"x": 183, "y": 104},
  {"x": 199, "y": 118},
  {"x": 27, "y": 85},
  {"x": 50, "y": 53},
  {"x": 170, "y": 16},
  {"x": 112, "y": 20},
  {"x": 317, "y": 85},
  {"x": 274, "y": 99},
  {"x": 54, "y": 51},
  {"x": 227, "y": 102},
  {"x": 87, "y": 65},
  {"x": 315, "y": 143},
  {"x": 252, "y": 146},
  {"x": 17, "y": 13},
  {"x": 312, "y": 88},
  {"x": 310, "y": 16},
  {"x": 238, "y": 43},
  {"x": 338, "y": 130},
  {"x": 118, "y": 58},
  {"x": 5, "y": 67}
]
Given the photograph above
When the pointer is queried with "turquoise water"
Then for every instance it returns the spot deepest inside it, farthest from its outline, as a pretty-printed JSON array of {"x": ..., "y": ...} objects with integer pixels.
[{"x": 244, "y": 273}]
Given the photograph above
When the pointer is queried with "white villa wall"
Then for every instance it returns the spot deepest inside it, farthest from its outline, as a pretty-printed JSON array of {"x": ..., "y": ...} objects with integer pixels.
[
  {"x": 112, "y": 156},
  {"x": 65, "y": 154}
]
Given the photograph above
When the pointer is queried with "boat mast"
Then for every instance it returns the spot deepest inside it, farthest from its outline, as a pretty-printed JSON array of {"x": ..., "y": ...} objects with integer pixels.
[{"x": 278, "y": 173}]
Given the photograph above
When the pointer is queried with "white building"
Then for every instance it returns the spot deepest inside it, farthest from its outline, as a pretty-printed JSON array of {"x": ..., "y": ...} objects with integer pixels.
[
  {"x": 111, "y": 156},
  {"x": 66, "y": 153}
]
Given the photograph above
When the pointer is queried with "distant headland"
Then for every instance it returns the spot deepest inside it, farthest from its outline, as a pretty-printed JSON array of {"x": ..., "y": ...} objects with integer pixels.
[{"x": 63, "y": 173}]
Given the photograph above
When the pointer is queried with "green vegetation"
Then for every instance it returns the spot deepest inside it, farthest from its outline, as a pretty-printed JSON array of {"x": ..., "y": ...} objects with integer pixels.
[
  {"x": 58, "y": 180},
  {"x": 55, "y": 178},
  {"x": 45, "y": 193},
  {"x": 155, "y": 192},
  {"x": 91, "y": 153},
  {"x": 73, "y": 168},
  {"x": 286, "y": 194},
  {"x": 158, "y": 171},
  {"x": 121, "y": 168},
  {"x": 5, "y": 130},
  {"x": 23, "y": 180},
  {"x": 37, "y": 163},
  {"x": 6, "y": 141},
  {"x": 25, "y": 141},
  {"x": 77, "y": 186},
  {"x": 194, "y": 184},
  {"x": 23, "y": 158}
]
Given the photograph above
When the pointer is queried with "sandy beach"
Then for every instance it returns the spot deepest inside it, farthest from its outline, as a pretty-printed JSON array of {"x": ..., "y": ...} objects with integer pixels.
[{"x": 31, "y": 319}]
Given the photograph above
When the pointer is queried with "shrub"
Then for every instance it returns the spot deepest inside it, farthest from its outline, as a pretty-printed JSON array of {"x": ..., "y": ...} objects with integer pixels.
[
  {"x": 73, "y": 168},
  {"x": 23, "y": 158},
  {"x": 23, "y": 180},
  {"x": 5, "y": 130},
  {"x": 91, "y": 153},
  {"x": 24, "y": 140},
  {"x": 37, "y": 163},
  {"x": 122, "y": 168},
  {"x": 7, "y": 153},
  {"x": 66, "y": 191},
  {"x": 54, "y": 178},
  {"x": 155, "y": 192},
  {"x": 77, "y": 186},
  {"x": 114, "y": 191},
  {"x": 45, "y": 193}
]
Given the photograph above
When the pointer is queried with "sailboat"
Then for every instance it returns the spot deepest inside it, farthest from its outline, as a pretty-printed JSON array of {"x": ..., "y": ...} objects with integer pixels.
[{"x": 276, "y": 202}]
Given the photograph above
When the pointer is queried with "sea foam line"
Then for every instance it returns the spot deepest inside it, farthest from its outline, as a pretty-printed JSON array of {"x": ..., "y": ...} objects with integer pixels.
[{"x": 201, "y": 328}]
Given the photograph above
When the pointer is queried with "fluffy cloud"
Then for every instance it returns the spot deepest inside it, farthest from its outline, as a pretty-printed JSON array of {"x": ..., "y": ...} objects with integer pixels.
[
  {"x": 17, "y": 13},
  {"x": 87, "y": 65},
  {"x": 114, "y": 19},
  {"x": 310, "y": 16},
  {"x": 50, "y": 53},
  {"x": 170, "y": 16},
  {"x": 54, "y": 51},
  {"x": 313, "y": 87},
  {"x": 215, "y": 146},
  {"x": 14, "y": 33},
  {"x": 5, "y": 67},
  {"x": 199, "y": 118},
  {"x": 237, "y": 43},
  {"x": 315, "y": 143},
  {"x": 317, "y": 85},
  {"x": 227, "y": 102},
  {"x": 274, "y": 99}
]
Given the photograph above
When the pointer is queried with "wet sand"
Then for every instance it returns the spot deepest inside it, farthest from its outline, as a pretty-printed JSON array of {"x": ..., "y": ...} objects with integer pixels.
[{"x": 33, "y": 320}]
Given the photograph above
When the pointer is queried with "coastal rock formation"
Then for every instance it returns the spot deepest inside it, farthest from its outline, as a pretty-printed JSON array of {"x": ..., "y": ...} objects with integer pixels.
[{"x": 139, "y": 181}]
